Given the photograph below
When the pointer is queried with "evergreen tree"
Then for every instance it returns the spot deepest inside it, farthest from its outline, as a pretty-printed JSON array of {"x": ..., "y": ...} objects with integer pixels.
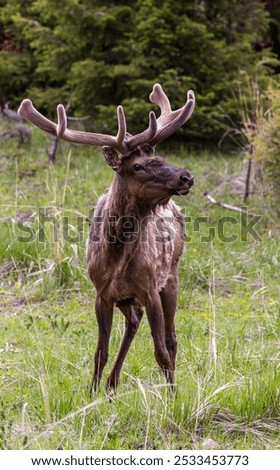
[
  {"x": 16, "y": 61},
  {"x": 101, "y": 54}
]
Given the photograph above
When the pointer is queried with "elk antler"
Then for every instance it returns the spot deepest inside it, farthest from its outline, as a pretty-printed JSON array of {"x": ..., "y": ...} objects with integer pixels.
[
  {"x": 145, "y": 136},
  {"x": 159, "y": 129},
  {"x": 28, "y": 111},
  {"x": 169, "y": 121}
]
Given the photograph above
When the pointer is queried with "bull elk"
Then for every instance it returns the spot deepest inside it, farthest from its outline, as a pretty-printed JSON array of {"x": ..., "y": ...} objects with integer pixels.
[{"x": 137, "y": 233}]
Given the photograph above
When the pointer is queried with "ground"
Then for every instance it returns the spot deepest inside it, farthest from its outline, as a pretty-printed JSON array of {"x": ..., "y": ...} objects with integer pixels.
[{"x": 227, "y": 392}]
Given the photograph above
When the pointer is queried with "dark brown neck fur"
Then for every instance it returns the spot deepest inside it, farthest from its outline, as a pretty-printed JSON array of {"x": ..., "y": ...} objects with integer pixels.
[{"x": 124, "y": 216}]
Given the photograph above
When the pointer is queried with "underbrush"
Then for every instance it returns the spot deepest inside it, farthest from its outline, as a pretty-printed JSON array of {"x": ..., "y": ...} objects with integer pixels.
[{"x": 227, "y": 323}]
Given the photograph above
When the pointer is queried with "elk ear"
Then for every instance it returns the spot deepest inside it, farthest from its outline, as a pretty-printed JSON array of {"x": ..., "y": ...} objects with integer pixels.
[{"x": 112, "y": 157}]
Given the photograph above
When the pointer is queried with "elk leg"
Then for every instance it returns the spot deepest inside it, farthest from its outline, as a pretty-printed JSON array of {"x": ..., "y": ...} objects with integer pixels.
[
  {"x": 169, "y": 303},
  {"x": 133, "y": 315},
  {"x": 156, "y": 321},
  {"x": 104, "y": 315}
]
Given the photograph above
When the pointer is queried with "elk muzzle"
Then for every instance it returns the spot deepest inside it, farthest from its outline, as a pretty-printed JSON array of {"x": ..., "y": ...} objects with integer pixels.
[{"x": 186, "y": 181}]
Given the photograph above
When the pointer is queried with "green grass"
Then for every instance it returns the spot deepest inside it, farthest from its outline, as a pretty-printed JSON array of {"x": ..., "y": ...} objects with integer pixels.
[{"x": 227, "y": 321}]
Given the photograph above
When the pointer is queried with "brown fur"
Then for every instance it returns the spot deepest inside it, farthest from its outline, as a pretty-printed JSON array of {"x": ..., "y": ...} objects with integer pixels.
[{"x": 136, "y": 241}]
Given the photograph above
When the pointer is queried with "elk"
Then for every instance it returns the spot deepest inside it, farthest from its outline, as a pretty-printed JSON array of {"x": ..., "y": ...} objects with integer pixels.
[{"x": 136, "y": 237}]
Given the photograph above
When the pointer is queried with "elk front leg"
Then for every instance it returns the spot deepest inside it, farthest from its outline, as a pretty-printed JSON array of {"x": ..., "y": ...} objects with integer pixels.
[
  {"x": 104, "y": 316},
  {"x": 156, "y": 321},
  {"x": 133, "y": 315},
  {"x": 169, "y": 303}
]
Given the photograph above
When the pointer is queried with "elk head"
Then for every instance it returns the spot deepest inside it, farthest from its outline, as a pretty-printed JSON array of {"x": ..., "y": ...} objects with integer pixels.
[
  {"x": 131, "y": 155},
  {"x": 146, "y": 178}
]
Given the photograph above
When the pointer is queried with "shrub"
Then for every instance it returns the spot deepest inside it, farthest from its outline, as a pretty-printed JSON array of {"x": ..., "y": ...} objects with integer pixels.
[{"x": 267, "y": 146}]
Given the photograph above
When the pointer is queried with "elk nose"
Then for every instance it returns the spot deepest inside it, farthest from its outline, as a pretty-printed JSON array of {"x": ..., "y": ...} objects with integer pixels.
[{"x": 186, "y": 177}]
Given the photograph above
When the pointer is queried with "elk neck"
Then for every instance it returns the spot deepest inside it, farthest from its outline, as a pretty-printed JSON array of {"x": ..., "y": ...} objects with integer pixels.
[
  {"x": 123, "y": 218},
  {"x": 123, "y": 202}
]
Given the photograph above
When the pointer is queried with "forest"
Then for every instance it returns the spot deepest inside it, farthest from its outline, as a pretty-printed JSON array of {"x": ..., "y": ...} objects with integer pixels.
[{"x": 100, "y": 54}]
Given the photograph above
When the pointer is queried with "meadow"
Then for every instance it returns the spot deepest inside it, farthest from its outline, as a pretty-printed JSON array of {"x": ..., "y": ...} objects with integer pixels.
[{"x": 228, "y": 318}]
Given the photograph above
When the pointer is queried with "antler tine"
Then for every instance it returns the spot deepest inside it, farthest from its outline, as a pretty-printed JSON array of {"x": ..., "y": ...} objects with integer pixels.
[
  {"x": 169, "y": 121},
  {"x": 160, "y": 98},
  {"x": 173, "y": 126},
  {"x": 145, "y": 136},
  {"x": 27, "y": 111},
  {"x": 121, "y": 126},
  {"x": 61, "y": 121}
]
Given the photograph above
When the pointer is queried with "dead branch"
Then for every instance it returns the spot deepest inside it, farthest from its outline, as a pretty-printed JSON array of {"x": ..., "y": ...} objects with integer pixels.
[
  {"x": 81, "y": 118},
  {"x": 225, "y": 205},
  {"x": 10, "y": 113}
]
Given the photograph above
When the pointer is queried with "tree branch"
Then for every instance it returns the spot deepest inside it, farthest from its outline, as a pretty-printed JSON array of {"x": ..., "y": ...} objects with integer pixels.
[{"x": 241, "y": 210}]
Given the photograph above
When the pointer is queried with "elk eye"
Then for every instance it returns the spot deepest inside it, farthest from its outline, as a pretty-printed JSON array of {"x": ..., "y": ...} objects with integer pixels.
[{"x": 137, "y": 167}]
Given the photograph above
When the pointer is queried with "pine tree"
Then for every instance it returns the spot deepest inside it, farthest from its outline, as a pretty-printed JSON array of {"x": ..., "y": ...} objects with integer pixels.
[{"x": 101, "y": 54}]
